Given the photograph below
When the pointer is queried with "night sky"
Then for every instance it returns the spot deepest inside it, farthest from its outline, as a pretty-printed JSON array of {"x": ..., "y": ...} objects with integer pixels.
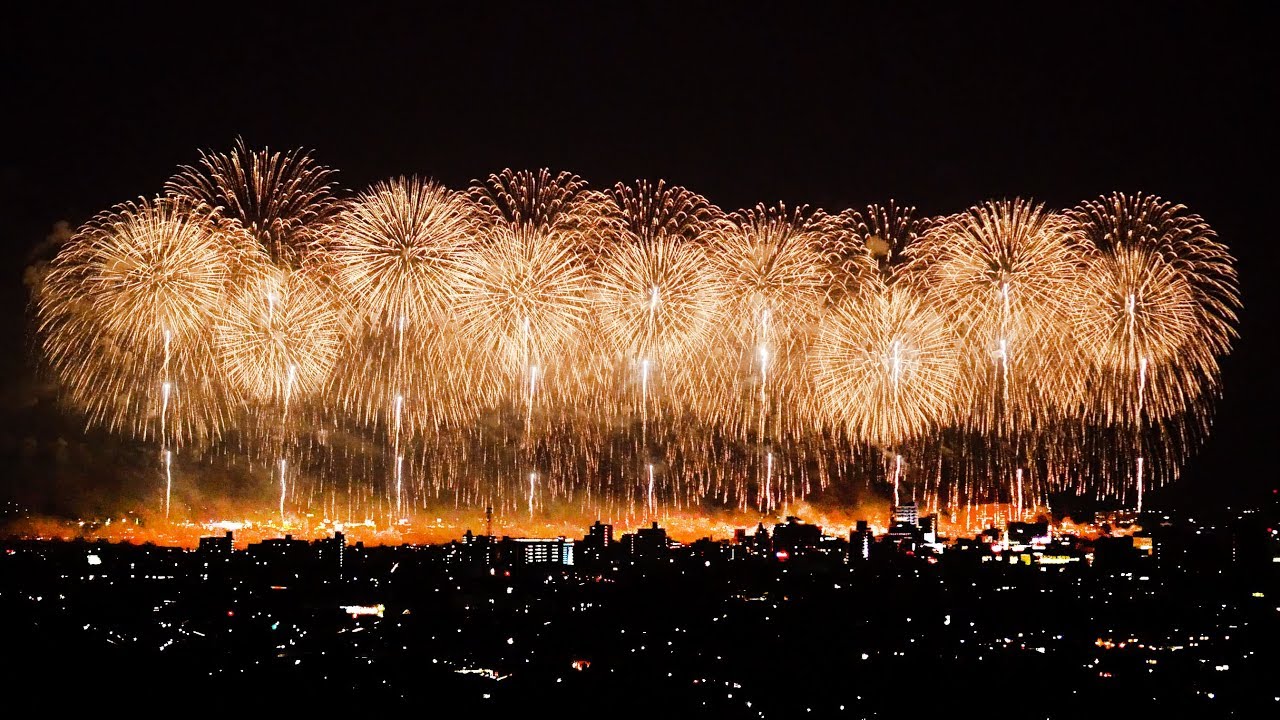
[{"x": 825, "y": 105}]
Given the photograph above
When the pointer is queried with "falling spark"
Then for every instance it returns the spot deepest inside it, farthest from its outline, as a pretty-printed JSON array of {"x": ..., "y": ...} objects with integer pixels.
[
  {"x": 652, "y": 504},
  {"x": 1140, "y": 462},
  {"x": 168, "y": 479},
  {"x": 1018, "y": 492},
  {"x": 399, "y": 485},
  {"x": 897, "y": 476},
  {"x": 284, "y": 465}
]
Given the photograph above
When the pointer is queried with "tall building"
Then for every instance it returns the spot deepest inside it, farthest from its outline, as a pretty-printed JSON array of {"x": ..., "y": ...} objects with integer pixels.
[
  {"x": 476, "y": 549},
  {"x": 795, "y": 537},
  {"x": 647, "y": 543},
  {"x": 600, "y": 534},
  {"x": 334, "y": 551},
  {"x": 761, "y": 543},
  {"x": 929, "y": 528},
  {"x": 598, "y": 545},
  {"x": 860, "y": 540}
]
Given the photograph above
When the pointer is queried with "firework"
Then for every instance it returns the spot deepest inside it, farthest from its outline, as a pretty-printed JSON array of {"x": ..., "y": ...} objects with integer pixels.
[
  {"x": 439, "y": 381},
  {"x": 651, "y": 211},
  {"x": 1005, "y": 274},
  {"x": 1157, "y": 307},
  {"x": 280, "y": 199},
  {"x": 124, "y": 315},
  {"x": 278, "y": 336},
  {"x": 769, "y": 265},
  {"x": 870, "y": 245},
  {"x": 539, "y": 199},
  {"x": 400, "y": 253},
  {"x": 527, "y": 302},
  {"x": 658, "y": 303},
  {"x": 885, "y": 365}
]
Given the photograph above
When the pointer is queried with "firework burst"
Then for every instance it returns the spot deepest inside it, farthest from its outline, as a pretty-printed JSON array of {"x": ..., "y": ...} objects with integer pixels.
[
  {"x": 124, "y": 316},
  {"x": 281, "y": 199},
  {"x": 527, "y": 304},
  {"x": 658, "y": 301},
  {"x": 885, "y": 365},
  {"x": 1157, "y": 307},
  {"x": 870, "y": 245},
  {"x": 400, "y": 254},
  {"x": 278, "y": 337},
  {"x": 401, "y": 249},
  {"x": 1005, "y": 274},
  {"x": 769, "y": 264}
]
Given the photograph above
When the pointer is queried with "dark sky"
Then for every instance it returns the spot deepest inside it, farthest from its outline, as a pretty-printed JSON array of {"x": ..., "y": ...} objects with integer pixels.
[{"x": 825, "y": 104}]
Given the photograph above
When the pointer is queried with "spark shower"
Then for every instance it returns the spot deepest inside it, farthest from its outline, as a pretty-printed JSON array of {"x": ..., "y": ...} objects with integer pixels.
[{"x": 533, "y": 342}]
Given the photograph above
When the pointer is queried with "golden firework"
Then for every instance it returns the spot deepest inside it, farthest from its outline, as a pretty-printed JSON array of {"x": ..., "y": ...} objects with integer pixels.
[
  {"x": 1005, "y": 275},
  {"x": 124, "y": 317},
  {"x": 278, "y": 337},
  {"x": 885, "y": 365},
  {"x": 526, "y": 304},
  {"x": 1156, "y": 310},
  {"x": 280, "y": 199}
]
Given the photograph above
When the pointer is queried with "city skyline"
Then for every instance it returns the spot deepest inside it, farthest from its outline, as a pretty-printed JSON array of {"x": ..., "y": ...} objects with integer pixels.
[{"x": 644, "y": 359}]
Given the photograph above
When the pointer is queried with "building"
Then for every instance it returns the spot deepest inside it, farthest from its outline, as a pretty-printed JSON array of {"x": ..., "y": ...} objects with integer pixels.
[
  {"x": 794, "y": 537},
  {"x": 536, "y": 551},
  {"x": 476, "y": 549},
  {"x": 906, "y": 513},
  {"x": 285, "y": 549},
  {"x": 1116, "y": 553},
  {"x": 220, "y": 546},
  {"x": 333, "y": 551},
  {"x": 598, "y": 545},
  {"x": 1025, "y": 533},
  {"x": 706, "y": 549},
  {"x": 860, "y": 540},
  {"x": 600, "y": 534},
  {"x": 929, "y": 528},
  {"x": 761, "y": 542},
  {"x": 647, "y": 543},
  {"x": 903, "y": 537}
]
